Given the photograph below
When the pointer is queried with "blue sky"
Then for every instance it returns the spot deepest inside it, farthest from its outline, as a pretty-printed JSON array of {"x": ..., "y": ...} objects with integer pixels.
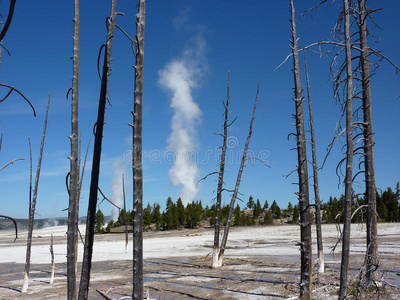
[{"x": 248, "y": 38}]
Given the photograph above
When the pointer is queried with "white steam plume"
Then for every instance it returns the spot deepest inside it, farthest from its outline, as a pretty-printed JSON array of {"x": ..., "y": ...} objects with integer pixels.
[
  {"x": 180, "y": 76},
  {"x": 117, "y": 196}
]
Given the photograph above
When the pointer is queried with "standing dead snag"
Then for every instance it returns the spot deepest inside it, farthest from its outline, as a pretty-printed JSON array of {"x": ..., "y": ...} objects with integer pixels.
[
  {"x": 370, "y": 191},
  {"x": 52, "y": 260},
  {"x": 32, "y": 206},
  {"x": 344, "y": 267},
  {"x": 305, "y": 218},
  {"x": 137, "y": 169},
  {"x": 74, "y": 189},
  {"x": 216, "y": 262},
  {"x": 94, "y": 183},
  {"x": 125, "y": 219},
  {"x": 238, "y": 179},
  {"x": 321, "y": 263}
]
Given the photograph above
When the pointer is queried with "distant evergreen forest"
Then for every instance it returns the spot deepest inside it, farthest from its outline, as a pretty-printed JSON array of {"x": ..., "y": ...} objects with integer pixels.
[{"x": 177, "y": 215}]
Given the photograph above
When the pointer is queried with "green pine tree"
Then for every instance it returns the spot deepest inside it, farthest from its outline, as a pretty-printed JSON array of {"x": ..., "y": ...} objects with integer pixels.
[
  {"x": 99, "y": 222},
  {"x": 296, "y": 214},
  {"x": 268, "y": 218},
  {"x": 266, "y": 205},
  {"x": 257, "y": 209},
  {"x": 275, "y": 210},
  {"x": 147, "y": 217},
  {"x": 156, "y": 215},
  {"x": 181, "y": 212},
  {"x": 236, "y": 214},
  {"x": 250, "y": 204}
]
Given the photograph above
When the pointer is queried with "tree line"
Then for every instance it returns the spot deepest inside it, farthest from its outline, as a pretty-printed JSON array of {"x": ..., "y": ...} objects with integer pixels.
[{"x": 192, "y": 215}]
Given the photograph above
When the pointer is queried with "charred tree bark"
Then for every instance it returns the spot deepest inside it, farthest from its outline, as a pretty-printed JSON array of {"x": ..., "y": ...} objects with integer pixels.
[
  {"x": 216, "y": 262},
  {"x": 74, "y": 189},
  {"x": 344, "y": 267},
  {"x": 12, "y": 89},
  {"x": 94, "y": 184},
  {"x": 370, "y": 190},
  {"x": 32, "y": 206},
  {"x": 238, "y": 179},
  {"x": 305, "y": 218},
  {"x": 1, "y": 45},
  {"x": 137, "y": 292},
  {"x": 321, "y": 263},
  {"x": 9, "y": 19}
]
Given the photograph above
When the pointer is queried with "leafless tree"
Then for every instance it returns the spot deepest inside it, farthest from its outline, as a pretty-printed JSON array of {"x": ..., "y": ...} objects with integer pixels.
[
  {"x": 344, "y": 267},
  {"x": 74, "y": 190},
  {"x": 89, "y": 237},
  {"x": 52, "y": 260},
  {"x": 304, "y": 206},
  {"x": 321, "y": 263},
  {"x": 237, "y": 185},
  {"x": 216, "y": 262},
  {"x": 358, "y": 14},
  {"x": 137, "y": 169},
  {"x": 32, "y": 206},
  {"x": 370, "y": 190},
  {"x": 126, "y": 220}
]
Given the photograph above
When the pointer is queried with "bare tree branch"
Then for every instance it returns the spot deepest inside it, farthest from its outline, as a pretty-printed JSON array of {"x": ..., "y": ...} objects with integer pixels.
[
  {"x": 15, "y": 225},
  {"x": 22, "y": 95},
  {"x": 9, "y": 19},
  {"x": 105, "y": 198},
  {"x": 10, "y": 163}
]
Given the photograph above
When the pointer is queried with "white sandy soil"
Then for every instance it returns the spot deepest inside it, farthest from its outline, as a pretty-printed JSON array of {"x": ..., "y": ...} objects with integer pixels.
[{"x": 242, "y": 242}]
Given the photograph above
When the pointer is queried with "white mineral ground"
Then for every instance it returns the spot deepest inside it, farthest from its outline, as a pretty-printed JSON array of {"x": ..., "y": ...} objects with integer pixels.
[{"x": 243, "y": 243}]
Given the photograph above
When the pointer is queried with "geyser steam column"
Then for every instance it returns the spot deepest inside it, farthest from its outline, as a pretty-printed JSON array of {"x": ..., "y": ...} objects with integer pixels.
[{"x": 180, "y": 77}]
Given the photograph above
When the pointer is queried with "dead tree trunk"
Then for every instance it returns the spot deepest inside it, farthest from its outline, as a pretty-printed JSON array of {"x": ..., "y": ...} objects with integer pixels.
[
  {"x": 370, "y": 191},
  {"x": 216, "y": 262},
  {"x": 238, "y": 179},
  {"x": 126, "y": 220},
  {"x": 344, "y": 267},
  {"x": 137, "y": 292},
  {"x": 78, "y": 196},
  {"x": 73, "y": 212},
  {"x": 94, "y": 184},
  {"x": 321, "y": 263},
  {"x": 32, "y": 206},
  {"x": 305, "y": 218},
  {"x": 52, "y": 260}
]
